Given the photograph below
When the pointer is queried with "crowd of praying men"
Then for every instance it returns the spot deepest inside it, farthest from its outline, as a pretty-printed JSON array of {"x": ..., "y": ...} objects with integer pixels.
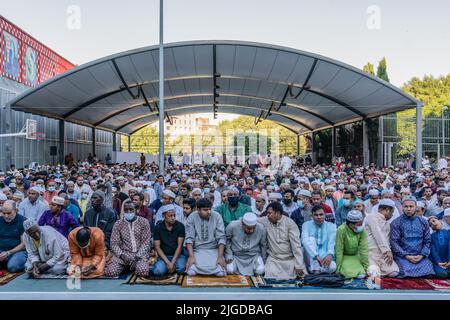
[{"x": 281, "y": 222}]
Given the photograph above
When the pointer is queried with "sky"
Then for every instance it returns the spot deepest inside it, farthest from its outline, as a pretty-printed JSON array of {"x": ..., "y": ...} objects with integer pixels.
[{"x": 413, "y": 35}]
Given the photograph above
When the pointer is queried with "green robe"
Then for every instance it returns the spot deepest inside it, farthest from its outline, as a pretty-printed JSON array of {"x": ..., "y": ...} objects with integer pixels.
[
  {"x": 228, "y": 215},
  {"x": 352, "y": 252}
]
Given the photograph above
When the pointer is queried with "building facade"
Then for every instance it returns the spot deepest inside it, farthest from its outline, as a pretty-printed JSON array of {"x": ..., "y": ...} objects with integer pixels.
[{"x": 24, "y": 63}]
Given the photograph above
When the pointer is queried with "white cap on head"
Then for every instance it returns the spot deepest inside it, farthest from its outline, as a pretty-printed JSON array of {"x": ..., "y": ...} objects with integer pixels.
[
  {"x": 169, "y": 194},
  {"x": 447, "y": 212},
  {"x": 355, "y": 216},
  {"x": 422, "y": 204},
  {"x": 167, "y": 207},
  {"x": 58, "y": 201},
  {"x": 387, "y": 203},
  {"x": 250, "y": 219},
  {"x": 35, "y": 189},
  {"x": 174, "y": 184},
  {"x": 275, "y": 195},
  {"x": 3, "y": 197},
  {"x": 374, "y": 192},
  {"x": 27, "y": 224},
  {"x": 305, "y": 193}
]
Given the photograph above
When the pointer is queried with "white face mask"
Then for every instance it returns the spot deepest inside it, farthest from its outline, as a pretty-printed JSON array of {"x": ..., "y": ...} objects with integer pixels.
[{"x": 84, "y": 196}]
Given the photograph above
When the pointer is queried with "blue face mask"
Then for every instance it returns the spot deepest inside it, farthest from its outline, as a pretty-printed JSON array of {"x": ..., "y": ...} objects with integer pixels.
[
  {"x": 346, "y": 203},
  {"x": 359, "y": 229},
  {"x": 129, "y": 216},
  {"x": 206, "y": 190},
  {"x": 300, "y": 203}
]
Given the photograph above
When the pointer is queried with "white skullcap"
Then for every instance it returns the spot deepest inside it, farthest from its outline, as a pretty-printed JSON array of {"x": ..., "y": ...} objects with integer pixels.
[
  {"x": 12, "y": 185},
  {"x": 422, "y": 204},
  {"x": 27, "y": 224},
  {"x": 330, "y": 188},
  {"x": 446, "y": 198},
  {"x": 374, "y": 192},
  {"x": 3, "y": 197},
  {"x": 36, "y": 189},
  {"x": 315, "y": 182},
  {"x": 196, "y": 190},
  {"x": 69, "y": 183},
  {"x": 355, "y": 216},
  {"x": 169, "y": 194},
  {"x": 167, "y": 207},
  {"x": 305, "y": 193},
  {"x": 387, "y": 203},
  {"x": 447, "y": 212},
  {"x": 174, "y": 184},
  {"x": 275, "y": 195},
  {"x": 249, "y": 219},
  {"x": 58, "y": 201}
]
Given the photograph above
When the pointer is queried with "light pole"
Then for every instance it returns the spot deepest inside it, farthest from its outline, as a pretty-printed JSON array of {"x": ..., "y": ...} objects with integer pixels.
[{"x": 444, "y": 108}]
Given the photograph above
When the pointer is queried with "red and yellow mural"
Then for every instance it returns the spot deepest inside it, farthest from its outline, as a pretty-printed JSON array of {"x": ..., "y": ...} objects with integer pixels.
[{"x": 26, "y": 60}]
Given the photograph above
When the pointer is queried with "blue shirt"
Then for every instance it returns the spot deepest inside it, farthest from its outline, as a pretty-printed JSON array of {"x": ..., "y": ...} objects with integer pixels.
[
  {"x": 11, "y": 233},
  {"x": 440, "y": 246},
  {"x": 74, "y": 211},
  {"x": 319, "y": 240}
]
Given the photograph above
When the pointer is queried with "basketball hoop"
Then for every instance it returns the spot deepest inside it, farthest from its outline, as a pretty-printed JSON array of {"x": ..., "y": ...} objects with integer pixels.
[
  {"x": 31, "y": 128},
  {"x": 29, "y": 131},
  {"x": 40, "y": 136}
]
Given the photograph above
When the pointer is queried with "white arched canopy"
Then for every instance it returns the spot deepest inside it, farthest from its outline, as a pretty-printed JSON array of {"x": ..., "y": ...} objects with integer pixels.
[{"x": 302, "y": 91}]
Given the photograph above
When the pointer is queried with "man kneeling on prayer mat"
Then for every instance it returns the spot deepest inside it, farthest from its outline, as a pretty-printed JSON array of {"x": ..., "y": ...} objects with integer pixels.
[
  {"x": 246, "y": 249},
  {"x": 47, "y": 249},
  {"x": 87, "y": 252},
  {"x": 285, "y": 257},
  {"x": 318, "y": 240},
  {"x": 169, "y": 237},
  {"x": 130, "y": 244},
  {"x": 205, "y": 241}
]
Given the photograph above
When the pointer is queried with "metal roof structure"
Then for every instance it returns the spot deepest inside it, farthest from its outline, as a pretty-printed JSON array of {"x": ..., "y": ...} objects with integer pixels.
[{"x": 302, "y": 91}]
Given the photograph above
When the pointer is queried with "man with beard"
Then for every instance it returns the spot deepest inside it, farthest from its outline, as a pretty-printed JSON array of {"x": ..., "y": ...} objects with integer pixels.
[
  {"x": 246, "y": 248},
  {"x": 100, "y": 216},
  {"x": 12, "y": 248},
  {"x": 233, "y": 209}
]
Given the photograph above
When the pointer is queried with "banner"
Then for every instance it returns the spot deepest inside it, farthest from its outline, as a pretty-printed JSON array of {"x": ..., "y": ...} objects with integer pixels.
[{"x": 26, "y": 60}]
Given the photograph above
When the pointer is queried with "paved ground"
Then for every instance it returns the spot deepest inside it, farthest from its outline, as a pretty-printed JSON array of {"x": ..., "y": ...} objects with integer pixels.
[{"x": 24, "y": 288}]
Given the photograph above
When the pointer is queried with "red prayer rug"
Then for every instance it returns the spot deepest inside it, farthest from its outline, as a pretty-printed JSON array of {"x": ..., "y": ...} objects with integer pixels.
[
  {"x": 6, "y": 276},
  {"x": 406, "y": 284},
  {"x": 439, "y": 284}
]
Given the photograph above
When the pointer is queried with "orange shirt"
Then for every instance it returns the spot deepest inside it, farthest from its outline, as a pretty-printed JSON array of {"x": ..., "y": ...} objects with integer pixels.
[{"x": 96, "y": 249}]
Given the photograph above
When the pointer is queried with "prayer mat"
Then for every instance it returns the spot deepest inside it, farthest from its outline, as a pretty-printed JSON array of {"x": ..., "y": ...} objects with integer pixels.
[
  {"x": 439, "y": 284},
  {"x": 156, "y": 281},
  {"x": 263, "y": 283},
  {"x": 405, "y": 284},
  {"x": 213, "y": 281},
  {"x": 65, "y": 276},
  {"x": 6, "y": 277}
]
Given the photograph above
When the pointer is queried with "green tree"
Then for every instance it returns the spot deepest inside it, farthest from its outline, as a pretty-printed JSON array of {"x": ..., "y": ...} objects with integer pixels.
[
  {"x": 369, "y": 68},
  {"x": 382, "y": 70}
]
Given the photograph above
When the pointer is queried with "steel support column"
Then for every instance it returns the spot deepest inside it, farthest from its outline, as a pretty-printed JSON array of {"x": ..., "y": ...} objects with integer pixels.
[
  {"x": 366, "y": 154},
  {"x": 418, "y": 136},
  {"x": 114, "y": 146},
  {"x": 94, "y": 141},
  {"x": 161, "y": 87},
  {"x": 62, "y": 138}
]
